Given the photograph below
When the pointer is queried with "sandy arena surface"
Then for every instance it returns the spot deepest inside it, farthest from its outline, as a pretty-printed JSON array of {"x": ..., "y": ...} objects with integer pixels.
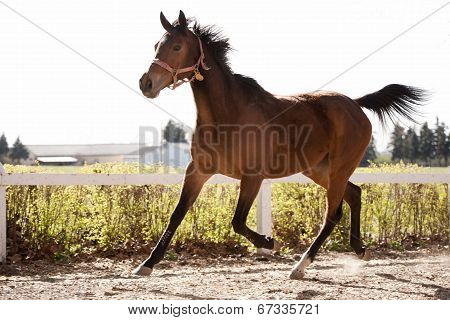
[{"x": 422, "y": 274}]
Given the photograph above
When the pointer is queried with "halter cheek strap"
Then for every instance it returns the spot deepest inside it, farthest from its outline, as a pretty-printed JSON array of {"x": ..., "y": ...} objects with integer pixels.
[{"x": 195, "y": 68}]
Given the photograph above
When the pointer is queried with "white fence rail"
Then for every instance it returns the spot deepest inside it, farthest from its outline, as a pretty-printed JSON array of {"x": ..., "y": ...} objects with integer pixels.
[{"x": 264, "y": 214}]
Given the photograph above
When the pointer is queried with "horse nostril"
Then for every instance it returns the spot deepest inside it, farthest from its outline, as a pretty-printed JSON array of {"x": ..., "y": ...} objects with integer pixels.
[
  {"x": 145, "y": 84},
  {"x": 149, "y": 84}
]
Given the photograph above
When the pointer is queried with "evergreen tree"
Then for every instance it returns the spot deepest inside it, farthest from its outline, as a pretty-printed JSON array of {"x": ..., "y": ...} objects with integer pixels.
[
  {"x": 397, "y": 142},
  {"x": 441, "y": 145},
  {"x": 18, "y": 151},
  {"x": 411, "y": 145},
  {"x": 447, "y": 145},
  {"x": 4, "y": 149},
  {"x": 174, "y": 132},
  {"x": 426, "y": 144},
  {"x": 431, "y": 147},
  {"x": 370, "y": 154}
]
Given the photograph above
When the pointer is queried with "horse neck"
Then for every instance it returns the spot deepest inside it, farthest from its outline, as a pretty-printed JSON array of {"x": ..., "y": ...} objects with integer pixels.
[{"x": 213, "y": 96}]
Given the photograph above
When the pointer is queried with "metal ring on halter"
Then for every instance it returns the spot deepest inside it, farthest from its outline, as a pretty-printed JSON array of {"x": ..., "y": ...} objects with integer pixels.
[{"x": 175, "y": 72}]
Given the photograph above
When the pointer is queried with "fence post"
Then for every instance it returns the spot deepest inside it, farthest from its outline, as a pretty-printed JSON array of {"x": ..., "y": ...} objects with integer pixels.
[
  {"x": 2, "y": 216},
  {"x": 264, "y": 212}
]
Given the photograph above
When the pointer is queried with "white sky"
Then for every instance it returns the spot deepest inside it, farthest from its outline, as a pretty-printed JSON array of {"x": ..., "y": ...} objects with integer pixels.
[{"x": 49, "y": 95}]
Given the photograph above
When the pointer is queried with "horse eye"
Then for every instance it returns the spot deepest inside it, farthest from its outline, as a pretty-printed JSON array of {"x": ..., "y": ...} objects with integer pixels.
[{"x": 177, "y": 47}]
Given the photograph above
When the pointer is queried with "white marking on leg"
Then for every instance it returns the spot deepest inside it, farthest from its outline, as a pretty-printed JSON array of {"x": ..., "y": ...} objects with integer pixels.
[
  {"x": 142, "y": 270},
  {"x": 304, "y": 262},
  {"x": 298, "y": 271}
]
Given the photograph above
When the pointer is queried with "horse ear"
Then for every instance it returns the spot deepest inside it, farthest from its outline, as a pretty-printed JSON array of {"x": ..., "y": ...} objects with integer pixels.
[
  {"x": 166, "y": 24},
  {"x": 182, "y": 19}
]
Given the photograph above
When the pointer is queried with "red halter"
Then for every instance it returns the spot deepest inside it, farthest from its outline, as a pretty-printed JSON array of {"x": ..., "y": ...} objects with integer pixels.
[{"x": 176, "y": 72}]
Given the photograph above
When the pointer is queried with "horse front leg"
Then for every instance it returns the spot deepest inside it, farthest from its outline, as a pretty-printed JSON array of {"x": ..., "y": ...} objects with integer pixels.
[
  {"x": 192, "y": 185},
  {"x": 248, "y": 191}
]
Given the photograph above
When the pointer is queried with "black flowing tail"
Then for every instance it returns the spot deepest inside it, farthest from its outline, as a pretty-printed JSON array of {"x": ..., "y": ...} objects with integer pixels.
[{"x": 394, "y": 100}]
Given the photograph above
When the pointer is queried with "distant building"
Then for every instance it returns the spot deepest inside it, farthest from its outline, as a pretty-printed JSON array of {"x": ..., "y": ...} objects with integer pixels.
[
  {"x": 169, "y": 154},
  {"x": 83, "y": 153},
  {"x": 57, "y": 161}
]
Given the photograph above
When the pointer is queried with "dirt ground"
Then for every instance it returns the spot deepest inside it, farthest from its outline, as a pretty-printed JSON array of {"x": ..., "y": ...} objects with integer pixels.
[{"x": 423, "y": 274}]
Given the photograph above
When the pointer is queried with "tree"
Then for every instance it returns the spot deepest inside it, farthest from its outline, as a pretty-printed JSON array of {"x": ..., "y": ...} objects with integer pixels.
[
  {"x": 447, "y": 144},
  {"x": 18, "y": 151},
  {"x": 441, "y": 144},
  {"x": 411, "y": 145},
  {"x": 370, "y": 154},
  {"x": 430, "y": 147},
  {"x": 426, "y": 144},
  {"x": 4, "y": 149},
  {"x": 397, "y": 142},
  {"x": 174, "y": 132}
]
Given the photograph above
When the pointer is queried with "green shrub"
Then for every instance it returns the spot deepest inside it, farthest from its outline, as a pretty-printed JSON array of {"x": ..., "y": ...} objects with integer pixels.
[{"x": 390, "y": 214}]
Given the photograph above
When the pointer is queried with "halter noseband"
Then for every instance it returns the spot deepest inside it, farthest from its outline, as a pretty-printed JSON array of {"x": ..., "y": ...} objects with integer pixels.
[{"x": 175, "y": 72}]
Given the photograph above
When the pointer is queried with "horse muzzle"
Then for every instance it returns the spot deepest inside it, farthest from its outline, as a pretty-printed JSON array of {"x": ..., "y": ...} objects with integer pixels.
[{"x": 151, "y": 85}]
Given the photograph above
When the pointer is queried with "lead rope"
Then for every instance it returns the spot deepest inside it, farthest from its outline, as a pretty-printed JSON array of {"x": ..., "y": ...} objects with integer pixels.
[{"x": 196, "y": 68}]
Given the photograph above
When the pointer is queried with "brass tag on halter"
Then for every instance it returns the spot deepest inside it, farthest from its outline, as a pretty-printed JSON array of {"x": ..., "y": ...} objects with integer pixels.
[{"x": 198, "y": 75}]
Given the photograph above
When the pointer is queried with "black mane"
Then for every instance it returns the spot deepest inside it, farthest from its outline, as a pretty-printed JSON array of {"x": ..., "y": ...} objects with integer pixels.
[{"x": 219, "y": 46}]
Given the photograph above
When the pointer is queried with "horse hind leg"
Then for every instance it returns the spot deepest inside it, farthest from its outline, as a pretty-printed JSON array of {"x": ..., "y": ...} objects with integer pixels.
[
  {"x": 335, "y": 194},
  {"x": 353, "y": 197}
]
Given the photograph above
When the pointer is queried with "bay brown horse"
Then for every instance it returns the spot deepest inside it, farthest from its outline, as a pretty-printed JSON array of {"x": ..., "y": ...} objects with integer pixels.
[{"x": 247, "y": 133}]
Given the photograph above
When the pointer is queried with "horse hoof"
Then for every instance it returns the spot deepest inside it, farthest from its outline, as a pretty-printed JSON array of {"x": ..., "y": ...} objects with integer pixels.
[
  {"x": 296, "y": 274},
  {"x": 142, "y": 271},
  {"x": 276, "y": 246},
  {"x": 366, "y": 255}
]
